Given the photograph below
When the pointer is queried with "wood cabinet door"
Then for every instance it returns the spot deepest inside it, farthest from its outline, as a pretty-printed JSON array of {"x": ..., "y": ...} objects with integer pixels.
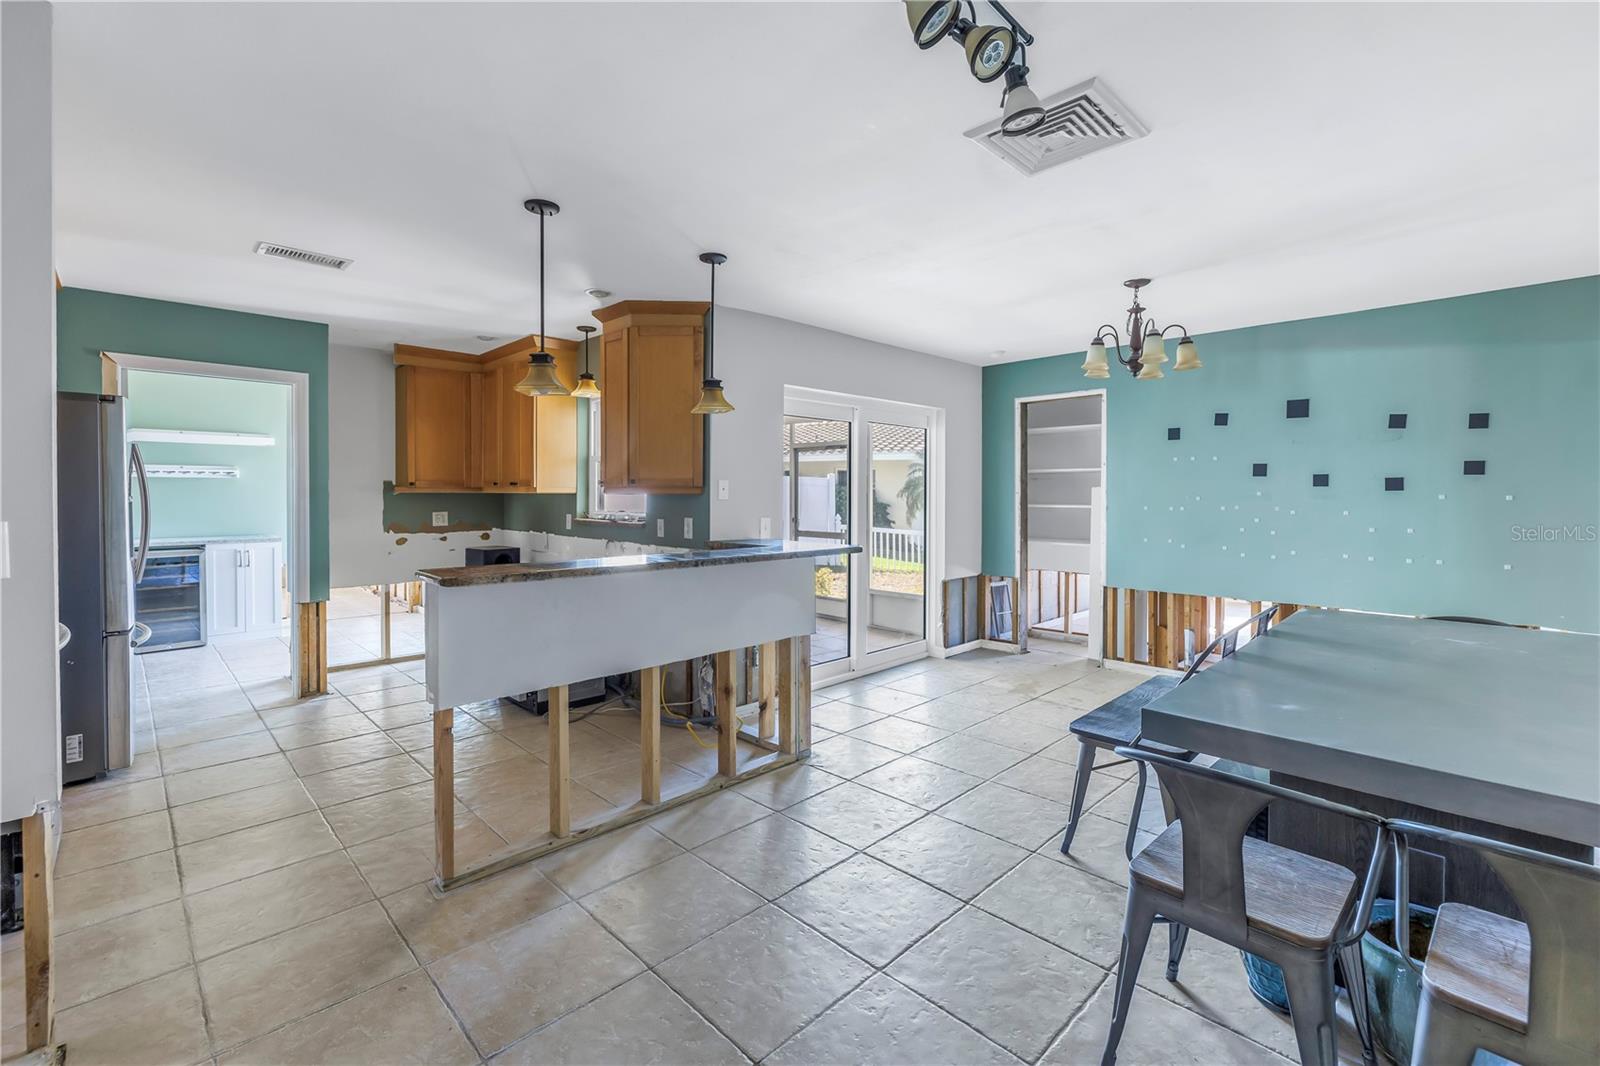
[
  {"x": 615, "y": 387},
  {"x": 435, "y": 415},
  {"x": 555, "y": 433},
  {"x": 495, "y": 388},
  {"x": 665, "y": 452}
]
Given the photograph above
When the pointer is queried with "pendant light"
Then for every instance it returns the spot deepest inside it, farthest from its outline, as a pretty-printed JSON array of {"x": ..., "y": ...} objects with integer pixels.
[
  {"x": 587, "y": 389},
  {"x": 712, "y": 402},
  {"x": 1147, "y": 345},
  {"x": 541, "y": 380}
]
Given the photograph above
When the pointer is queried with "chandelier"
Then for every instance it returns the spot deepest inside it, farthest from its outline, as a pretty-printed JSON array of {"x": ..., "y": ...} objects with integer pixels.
[{"x": 1147, "y": 348}]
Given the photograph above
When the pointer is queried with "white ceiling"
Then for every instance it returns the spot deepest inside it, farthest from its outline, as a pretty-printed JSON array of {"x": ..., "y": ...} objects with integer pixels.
[{"x": 1303, "y": 159}]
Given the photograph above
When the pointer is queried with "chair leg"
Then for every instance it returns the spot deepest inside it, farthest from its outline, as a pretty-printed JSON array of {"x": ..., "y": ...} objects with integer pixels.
[
  {"x": 1177, "y": 937},
  {"x": 1309, "y": 981},
  {"x": 1444, "y": 1035},
  {"x": 1136, "y": 925},
  {"x": 1080, "y": 790},
  {"x": 1133, "y": 819},
  {"x": 1355, "y": 980}
]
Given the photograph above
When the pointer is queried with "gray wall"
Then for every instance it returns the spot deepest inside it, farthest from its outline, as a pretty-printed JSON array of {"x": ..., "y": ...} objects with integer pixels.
[{"x": 30, "y": 763}]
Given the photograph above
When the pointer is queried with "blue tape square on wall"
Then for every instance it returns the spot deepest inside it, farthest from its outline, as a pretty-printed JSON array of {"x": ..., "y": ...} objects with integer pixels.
[
  {"x": 1475, "y": 466},
  {"x": 1480, "y": 420},
  {"x": 1220, "y": 418},
  {"x": 1174, "y": 433},
  {"x": 1297, "y": 409},
  {"x": 1394, "y": 484},
  {"x": 1258, "y": 470},
  {"x": 1319, "y": 481},
  {"x": 1397, "y": 421}
]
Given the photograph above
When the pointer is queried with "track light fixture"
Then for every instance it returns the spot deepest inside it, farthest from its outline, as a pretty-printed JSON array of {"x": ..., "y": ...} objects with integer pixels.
[
  {"x": 1020, "y": 107},
  {"x": 931, "y": 21},
  {"x": 992, "y": 52}
]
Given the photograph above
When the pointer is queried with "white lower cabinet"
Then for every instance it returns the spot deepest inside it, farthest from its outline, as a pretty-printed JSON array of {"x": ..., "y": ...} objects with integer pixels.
[{"x": 242, "y": 587}]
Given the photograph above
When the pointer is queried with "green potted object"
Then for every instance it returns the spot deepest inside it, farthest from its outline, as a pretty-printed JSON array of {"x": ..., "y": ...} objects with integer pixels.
[{"x": 1393, "y": 990}]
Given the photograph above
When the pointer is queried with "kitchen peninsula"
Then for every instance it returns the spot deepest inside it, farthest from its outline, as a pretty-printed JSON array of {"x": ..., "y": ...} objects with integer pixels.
[{"x": 496, "y": 631}]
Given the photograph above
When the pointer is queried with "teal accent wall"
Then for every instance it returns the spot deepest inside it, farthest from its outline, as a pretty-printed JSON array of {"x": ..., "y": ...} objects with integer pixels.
[
  {"x": 256, "y": 503},
  {"x": 90, "y": 322},
  {"x": 1187, "y": 515}
]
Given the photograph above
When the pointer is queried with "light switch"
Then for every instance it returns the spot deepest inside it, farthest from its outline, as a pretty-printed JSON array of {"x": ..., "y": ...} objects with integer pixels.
[
  {"x": 441, "y": 518},
  {"x": 569, "y": 521},
  {"x": 688, "y": 529},
  {"x": 661, "y": 527},
  {"x": 766, "y": 528},
  {"x": 722, "y": 489}
]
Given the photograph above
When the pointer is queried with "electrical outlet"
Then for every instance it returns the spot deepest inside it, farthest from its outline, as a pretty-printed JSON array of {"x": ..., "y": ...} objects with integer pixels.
[
  {"x": 766, "y": 528},
  {"x": 688, "y": 529},
  {"x": 661, "y": 527},
  {"x": 441, "y": 518},
  {"x": 569, "y": 521},
  {"x": 722, "y": 489}
]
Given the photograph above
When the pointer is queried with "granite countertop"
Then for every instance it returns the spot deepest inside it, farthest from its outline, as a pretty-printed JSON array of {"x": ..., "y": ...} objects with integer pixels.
[
  {"x": 717, "y": 554},
  {"x": 232, "y": 538}
]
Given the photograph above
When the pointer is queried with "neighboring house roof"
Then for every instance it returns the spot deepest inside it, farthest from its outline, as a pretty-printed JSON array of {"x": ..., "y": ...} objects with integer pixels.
[{"x": 827, "y": 440}]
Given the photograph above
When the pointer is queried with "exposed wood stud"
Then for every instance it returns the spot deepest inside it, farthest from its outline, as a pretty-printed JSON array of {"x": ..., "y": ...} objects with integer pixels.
[
  {"x": 1109, "y": 622},
  {"x": 38, "y": 912},
  {"x": 786, "y": 665},
  {"x": 313, "y": 649},
  {"x": 1127, "y": 613},
  {"x": 650, "y": 734},
  {"x": 727, "y": 716},
  {"x": 559, "y": 756},
  {"x": 444, "y": 797},
  {"x": 769, "y": 688},
  {"x": 802, "y": 699}
]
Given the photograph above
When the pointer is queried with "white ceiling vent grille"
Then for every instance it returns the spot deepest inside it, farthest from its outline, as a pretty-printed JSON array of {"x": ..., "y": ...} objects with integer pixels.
[
  {"x": 300, "y": 255},
  {"x": 1077, "y": 121}
]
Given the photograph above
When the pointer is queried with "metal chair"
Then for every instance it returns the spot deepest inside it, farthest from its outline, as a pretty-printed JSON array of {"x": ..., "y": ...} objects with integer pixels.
[
  {"x": 1292, "y": 909},
  {"x": 1117, "y": 723},
  {"x": 1527, "y": 992}
]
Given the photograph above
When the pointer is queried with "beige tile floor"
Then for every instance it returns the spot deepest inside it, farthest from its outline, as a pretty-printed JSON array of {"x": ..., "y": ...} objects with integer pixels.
[{"x": 254, "y": 889}]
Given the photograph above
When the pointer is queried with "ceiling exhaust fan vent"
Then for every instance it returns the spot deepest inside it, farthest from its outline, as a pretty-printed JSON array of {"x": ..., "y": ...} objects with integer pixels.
[
  {"x": 300, "y": 255},
  {"x": 1078, "y": 121}
]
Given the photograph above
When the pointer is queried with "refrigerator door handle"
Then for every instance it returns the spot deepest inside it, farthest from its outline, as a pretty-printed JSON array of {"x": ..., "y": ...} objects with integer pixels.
[{"x": 144, "y": 514}]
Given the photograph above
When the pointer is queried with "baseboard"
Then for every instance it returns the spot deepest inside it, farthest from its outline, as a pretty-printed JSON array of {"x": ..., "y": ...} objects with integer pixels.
[{"x": 1139, "y": 668}]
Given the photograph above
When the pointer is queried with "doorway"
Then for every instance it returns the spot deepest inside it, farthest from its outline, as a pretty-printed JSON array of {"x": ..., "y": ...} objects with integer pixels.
[
  {"x": 1061, "y": 544},
  {"x": 860, "y": 471}
]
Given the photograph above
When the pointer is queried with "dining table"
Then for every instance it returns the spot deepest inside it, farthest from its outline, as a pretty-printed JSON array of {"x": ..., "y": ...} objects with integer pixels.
[{"x": 1482, "y": 728}]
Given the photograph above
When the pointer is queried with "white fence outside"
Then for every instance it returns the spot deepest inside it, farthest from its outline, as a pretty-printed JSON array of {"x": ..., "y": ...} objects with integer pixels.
[{"x": 900, "y": 545}]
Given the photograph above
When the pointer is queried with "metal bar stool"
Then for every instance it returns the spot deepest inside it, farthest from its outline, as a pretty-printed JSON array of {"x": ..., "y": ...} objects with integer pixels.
[
  {"x": 1527, "y": 992},
  {"x": 1297, "y": 911}
]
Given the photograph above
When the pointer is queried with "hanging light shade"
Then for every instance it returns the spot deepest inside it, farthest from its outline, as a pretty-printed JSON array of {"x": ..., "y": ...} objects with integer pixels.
[
  {"x": 930, "y": 20},
  {"x": 712, "y": 401},
  {"x": 541, "y": 380},
  {"x": 989, "y": 50},
  {"x": 1149, "y": 372},
  {"x": 1188, "y": 356},
  {"x": 1155, "y": 349},
  {"x": 588, "y": 388},
  {"x": 1094, "y": 360}
]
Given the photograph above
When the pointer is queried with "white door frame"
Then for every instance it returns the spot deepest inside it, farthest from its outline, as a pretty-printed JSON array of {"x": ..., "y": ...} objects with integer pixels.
[
  {"x": 114, "y": 382},
  {"x": 1097, "y": 525},
  {"x": 860, "y": 412}
]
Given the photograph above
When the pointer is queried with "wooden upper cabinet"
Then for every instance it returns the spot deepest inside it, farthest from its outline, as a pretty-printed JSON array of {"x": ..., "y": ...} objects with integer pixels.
[
  {"x": 652, "y": 363},
  {"x": 461, "y": 426}
]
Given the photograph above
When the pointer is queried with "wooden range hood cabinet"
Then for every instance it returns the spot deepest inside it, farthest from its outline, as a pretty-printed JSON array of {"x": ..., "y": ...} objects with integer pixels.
[
  {"x": 461, "y": 426},
  {"x": 652, "y": 357}
]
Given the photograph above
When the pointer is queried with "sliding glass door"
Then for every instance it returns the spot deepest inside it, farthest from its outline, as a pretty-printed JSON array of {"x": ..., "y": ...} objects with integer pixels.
[{"x": 856, "y": 471}]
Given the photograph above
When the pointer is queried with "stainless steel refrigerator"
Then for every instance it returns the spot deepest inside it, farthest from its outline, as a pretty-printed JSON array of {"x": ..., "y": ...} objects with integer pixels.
[{"x": 98, "y": 476}]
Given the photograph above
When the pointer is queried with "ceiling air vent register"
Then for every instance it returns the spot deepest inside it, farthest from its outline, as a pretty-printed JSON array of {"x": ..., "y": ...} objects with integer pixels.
[
  {"x": 1077, "y": 121},
  {"x": 300, "y": 255}
]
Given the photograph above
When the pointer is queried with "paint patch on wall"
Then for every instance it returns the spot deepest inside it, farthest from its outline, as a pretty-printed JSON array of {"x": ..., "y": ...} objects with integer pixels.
[
  {"x": 1480, "y": 420},
  {"x": 1397, "y": 421},
  {"x": 1220, "y": 418},
  {"x": 1394, "y": 484},
  {"x": 1258, "y": 470},
  {"x": 1319, "y": 481},
  {"x": 1297, "y": 409},
  {"x": 1174, "y": 433},
  {"x": 1475, "y": 466}
]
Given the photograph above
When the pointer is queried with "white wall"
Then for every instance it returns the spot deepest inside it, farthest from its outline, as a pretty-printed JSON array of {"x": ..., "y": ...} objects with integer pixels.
[
  {"x": 30, "y": 727},
  {"x": 360, "y": 460},
  {"x": 756, "y": 356}
]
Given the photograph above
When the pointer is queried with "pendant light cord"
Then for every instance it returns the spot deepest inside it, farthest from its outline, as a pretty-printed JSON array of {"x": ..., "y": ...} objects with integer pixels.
[
  {"x": 711, "y": 327},
  {"x": 541, "y": 281}
]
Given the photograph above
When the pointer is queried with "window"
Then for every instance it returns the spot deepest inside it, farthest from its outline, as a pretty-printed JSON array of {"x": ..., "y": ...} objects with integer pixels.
[{"x": 609, "y": 506}]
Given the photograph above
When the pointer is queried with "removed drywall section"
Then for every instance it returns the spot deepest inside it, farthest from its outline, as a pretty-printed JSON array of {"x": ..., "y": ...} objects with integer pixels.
[
  {"x": 90, "y": 322},
  {"x": 1344, "y": 508}
]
